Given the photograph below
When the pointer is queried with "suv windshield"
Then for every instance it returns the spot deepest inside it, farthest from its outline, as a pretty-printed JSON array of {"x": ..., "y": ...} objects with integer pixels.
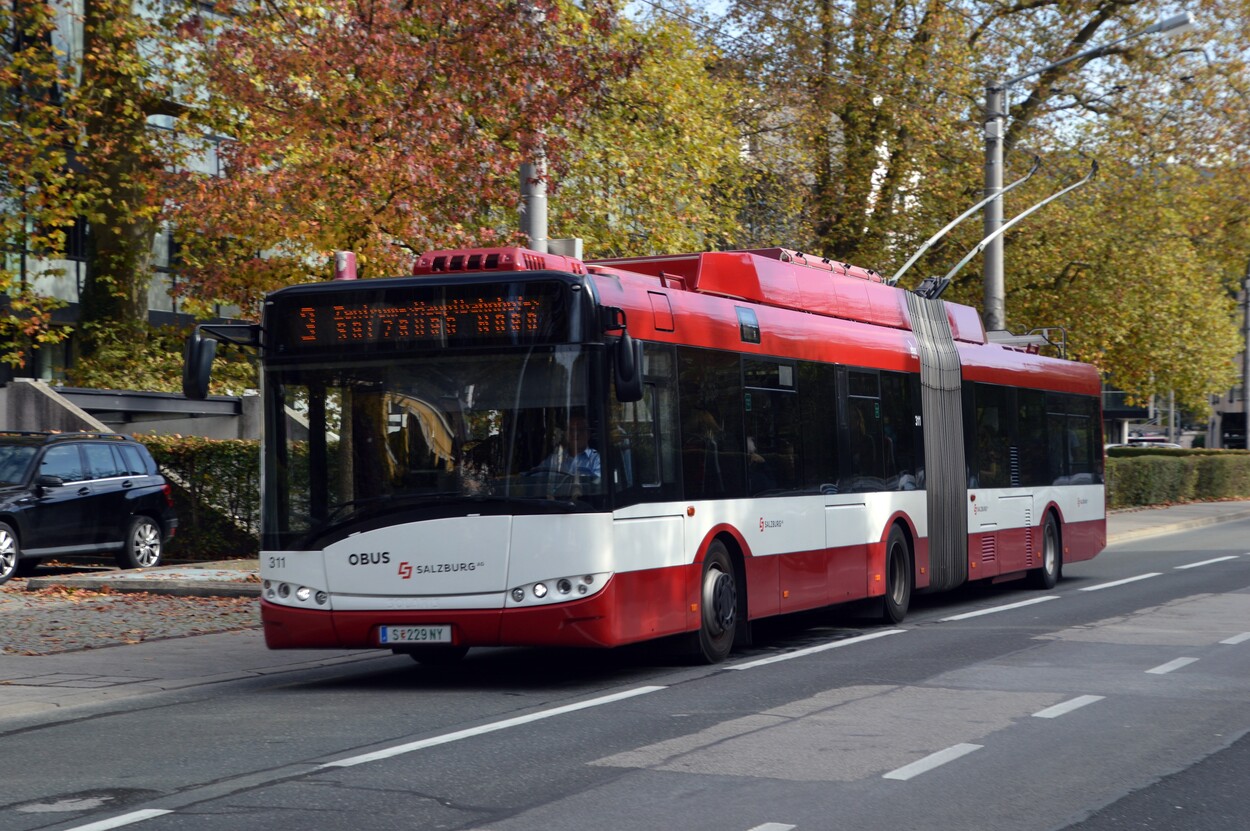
[
  {"x": 15, "y": 462},
  {"x": 364, "y": 439}
]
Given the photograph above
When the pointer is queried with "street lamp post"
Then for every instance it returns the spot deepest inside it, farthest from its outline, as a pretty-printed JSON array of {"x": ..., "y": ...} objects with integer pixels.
[{"x": 994, "y": 311}]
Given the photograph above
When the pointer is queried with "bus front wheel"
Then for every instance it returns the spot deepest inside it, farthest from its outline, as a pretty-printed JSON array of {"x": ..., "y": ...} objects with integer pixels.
[
  {"x": 898, "y": 577},
  {"x": 718, "y": 607}
]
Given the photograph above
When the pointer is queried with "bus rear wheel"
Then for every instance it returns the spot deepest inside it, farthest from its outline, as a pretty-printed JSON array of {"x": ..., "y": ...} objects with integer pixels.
[
  {"x": 718, "y": 607},
  {"x": 898, "y": 577},
  {"x": 1047, "y": 576}
]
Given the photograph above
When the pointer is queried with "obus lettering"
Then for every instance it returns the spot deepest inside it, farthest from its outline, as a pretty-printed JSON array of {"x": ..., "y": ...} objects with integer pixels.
[{"x": 371, "y": 558}]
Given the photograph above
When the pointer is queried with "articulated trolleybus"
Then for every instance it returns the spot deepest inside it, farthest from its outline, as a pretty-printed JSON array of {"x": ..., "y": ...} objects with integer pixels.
[{"x": 517, "y": 448}]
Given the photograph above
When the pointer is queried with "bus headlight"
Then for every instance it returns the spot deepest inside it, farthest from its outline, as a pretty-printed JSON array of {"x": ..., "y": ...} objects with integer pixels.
[{"x": 557, "y": 589}]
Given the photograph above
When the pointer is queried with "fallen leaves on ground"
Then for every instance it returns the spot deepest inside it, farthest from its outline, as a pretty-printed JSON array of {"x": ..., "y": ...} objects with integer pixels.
[{"x": 62, "y": 619}]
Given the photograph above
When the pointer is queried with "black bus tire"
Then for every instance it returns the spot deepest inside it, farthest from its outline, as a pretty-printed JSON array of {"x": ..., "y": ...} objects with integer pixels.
[
  {"x": 1047, "y": 575},
  {"x": 718, "y": 607},
  {"x": 898, "y": 577}
]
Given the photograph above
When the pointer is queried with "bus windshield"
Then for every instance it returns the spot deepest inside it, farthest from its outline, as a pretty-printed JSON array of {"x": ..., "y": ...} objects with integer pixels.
[{"x": 440, "y": 434}]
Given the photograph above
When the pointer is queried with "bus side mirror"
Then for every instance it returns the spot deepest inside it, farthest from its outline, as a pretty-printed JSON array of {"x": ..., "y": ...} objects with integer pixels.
[
  {"x": 198, "y": 364},
  {"x": 627, "y": 366}
]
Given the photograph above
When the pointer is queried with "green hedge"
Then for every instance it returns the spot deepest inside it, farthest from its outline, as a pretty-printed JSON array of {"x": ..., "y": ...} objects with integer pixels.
[
  {"x": 216, "y": 487},
  {"x": 1159, "y": 476}
]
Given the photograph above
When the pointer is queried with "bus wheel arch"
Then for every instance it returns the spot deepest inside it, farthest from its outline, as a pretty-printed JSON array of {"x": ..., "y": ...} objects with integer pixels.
[
  {"x": 900, "y": 573},
  {"x": 1051, "y": 570}
]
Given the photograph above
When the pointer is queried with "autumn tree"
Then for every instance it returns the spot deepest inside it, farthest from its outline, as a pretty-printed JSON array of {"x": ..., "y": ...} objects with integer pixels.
[
  {"x": 33, "y": 150},
  {"x": 80, "y": 146},
  {"x": 125, "y": 79},
  {"x": 383, "y": 127},
  {"x": 877, "y": 111},
  {"x": 656, "y": 166}
]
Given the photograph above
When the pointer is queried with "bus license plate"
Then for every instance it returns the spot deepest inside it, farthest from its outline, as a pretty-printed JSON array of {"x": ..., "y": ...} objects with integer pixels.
[{"x": 414, "y": 634}]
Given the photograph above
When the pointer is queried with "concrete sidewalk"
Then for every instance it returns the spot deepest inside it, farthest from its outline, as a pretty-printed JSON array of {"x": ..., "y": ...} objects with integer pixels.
[
  {"x": 224, "y": 578},
  {"x": 1139, "y": 523}
]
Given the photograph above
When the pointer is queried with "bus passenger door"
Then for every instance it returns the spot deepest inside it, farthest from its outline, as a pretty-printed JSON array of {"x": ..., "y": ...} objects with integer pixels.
[
  {"x": 1003, "y": 523},
  {"x": 846, "y": 537}
]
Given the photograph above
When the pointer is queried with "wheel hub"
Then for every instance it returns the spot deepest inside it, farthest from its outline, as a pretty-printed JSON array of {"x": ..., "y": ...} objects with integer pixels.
[{"x": 720, "y": 601}]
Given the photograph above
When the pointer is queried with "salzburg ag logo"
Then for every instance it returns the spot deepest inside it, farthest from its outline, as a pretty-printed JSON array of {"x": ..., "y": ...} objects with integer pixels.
[
  {"x": 770, "y": 523},
  {"x": 406, "y": 569}
]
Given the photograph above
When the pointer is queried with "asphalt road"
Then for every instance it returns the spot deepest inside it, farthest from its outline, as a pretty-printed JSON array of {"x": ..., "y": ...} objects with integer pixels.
[{"x": 1119, "y": 700}]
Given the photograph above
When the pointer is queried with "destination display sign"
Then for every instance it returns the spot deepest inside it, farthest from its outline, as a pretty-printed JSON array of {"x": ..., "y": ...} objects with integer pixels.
[{"x": 414, "y": 316}]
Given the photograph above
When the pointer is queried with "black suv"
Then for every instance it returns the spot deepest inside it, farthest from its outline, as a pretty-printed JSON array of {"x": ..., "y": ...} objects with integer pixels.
[{"x": 80, "y": 493}]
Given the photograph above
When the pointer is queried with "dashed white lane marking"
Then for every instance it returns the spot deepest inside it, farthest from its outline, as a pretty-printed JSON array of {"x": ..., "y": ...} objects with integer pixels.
[
  {"x": 1164, "y": 669},
  {"x": 1236, "y": 639},
  {"x": 1065, "y": 707},
  {"x": 1207, "y": 562},
  {"x": 773, "y": 826},
  {"x": 799, "y": 653},
  {"x": 931, "y": 761},
  {"x": 1009, "y": 606},
  {"x": 447, "y": 738},
  {"x": 1121, "y": 582},
  {"x": 124, "y": 819}
]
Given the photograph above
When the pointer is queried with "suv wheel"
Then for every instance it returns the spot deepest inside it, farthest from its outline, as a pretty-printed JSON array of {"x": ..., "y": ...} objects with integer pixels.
[
  {"x": 142, "y": 548},
  {"x": 9, "y": 552}
]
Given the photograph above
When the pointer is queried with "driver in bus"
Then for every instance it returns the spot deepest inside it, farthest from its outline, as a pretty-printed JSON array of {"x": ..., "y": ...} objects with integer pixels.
[{"x": 574, "y": 456}]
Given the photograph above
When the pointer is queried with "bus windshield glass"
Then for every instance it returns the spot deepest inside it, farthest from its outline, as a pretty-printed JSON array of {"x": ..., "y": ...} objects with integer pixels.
[{"x": 437, "y": 435}]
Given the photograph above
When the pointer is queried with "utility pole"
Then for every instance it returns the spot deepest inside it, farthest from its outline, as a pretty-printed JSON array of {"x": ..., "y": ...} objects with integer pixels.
[
  {"x": 994, "y": 312},
  {"x": 534, "y": 201}
]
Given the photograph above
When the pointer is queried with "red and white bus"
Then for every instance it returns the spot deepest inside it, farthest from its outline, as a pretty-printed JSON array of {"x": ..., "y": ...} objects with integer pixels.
[{"x": 515, "y": 448}]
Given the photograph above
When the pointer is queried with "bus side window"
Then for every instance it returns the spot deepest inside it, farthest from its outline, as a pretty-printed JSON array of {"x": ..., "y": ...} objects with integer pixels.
[
  {"x": 713, "y": 447},
  {"x": 866, "y": 440},
  {"x": 818, "y": 432},
  {"x": 643, "y": 434}
]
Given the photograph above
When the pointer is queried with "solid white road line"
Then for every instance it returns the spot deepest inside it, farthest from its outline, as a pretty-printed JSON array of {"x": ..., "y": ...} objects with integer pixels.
[
  {"x": 124, "y": 819},
  {"x": 931, "y": 761},
  {"x": 1236, "y": 639},
  {"x": 1207, "y": 562},
  {"x": 1164, "y": 669},
  {"x": 1121, "y": 582},
  {"x": 1065, "y": 707},
  {"x": 1009, "y": 606},
  {"x": 773, "y": 826},
  {"x": 447, "y": 738},
  {"x": 799, "y": 653}
]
